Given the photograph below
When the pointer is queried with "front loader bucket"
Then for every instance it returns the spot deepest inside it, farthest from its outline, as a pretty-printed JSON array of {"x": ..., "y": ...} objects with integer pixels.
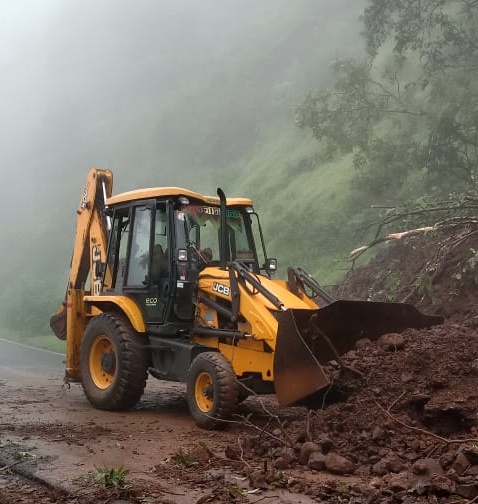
[{"x": 306, "y": 339}]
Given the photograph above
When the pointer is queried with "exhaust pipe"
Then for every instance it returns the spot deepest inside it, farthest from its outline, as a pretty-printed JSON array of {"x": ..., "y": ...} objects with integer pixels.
[{"x": 223, "y": 228}]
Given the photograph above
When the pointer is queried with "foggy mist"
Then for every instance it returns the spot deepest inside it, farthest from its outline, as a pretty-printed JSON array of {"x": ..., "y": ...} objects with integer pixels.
[{"x": 160, "y": 92}]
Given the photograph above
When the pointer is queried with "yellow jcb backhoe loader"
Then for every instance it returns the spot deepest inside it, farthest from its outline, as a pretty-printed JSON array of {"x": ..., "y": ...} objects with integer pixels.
[{"x": 179, "y": 287}]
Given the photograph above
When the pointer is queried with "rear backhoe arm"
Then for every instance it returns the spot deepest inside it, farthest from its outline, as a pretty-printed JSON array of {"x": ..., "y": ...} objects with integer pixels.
[{"x": 89, "y": 252}]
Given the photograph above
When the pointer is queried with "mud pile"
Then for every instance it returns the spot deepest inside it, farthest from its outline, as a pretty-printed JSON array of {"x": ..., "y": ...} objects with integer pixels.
[
  {"x": 437, "y": 273},
  {"x": 407, "y": 430}
]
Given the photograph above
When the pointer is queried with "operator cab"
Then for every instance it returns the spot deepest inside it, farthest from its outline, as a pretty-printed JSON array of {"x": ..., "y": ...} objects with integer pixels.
[{"x": 157, "y": 248}]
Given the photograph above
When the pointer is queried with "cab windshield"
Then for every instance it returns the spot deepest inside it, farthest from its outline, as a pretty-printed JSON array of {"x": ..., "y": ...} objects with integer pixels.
[{"x": 203, "y": 225}]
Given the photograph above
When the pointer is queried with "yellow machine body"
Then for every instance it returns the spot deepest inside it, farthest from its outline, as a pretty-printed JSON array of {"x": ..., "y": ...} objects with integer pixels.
[{"x": 275, "y": 333}]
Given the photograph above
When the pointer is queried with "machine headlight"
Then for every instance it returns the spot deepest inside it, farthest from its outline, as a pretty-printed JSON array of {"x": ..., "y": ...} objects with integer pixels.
[{"x": 182, "y": 255}]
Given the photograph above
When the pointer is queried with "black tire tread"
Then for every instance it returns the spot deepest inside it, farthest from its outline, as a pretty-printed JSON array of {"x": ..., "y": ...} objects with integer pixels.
[
  {"x": 226, "y": 390},
  {"x": 131, "y": 377}
]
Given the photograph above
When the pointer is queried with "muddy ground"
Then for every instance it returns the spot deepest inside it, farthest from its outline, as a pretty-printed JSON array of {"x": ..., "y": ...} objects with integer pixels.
[{"x": 404, "y": 431}]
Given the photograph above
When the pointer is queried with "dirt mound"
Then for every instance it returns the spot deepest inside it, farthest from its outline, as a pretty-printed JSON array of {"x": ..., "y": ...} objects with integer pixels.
[
  {"x": 436, "y": 272},
  {"x": 404, "y": 431},
  {"x": 408, "y": 427}
]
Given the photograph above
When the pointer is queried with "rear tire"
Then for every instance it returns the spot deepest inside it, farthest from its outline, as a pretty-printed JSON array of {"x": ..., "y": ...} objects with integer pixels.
[
  {"x": 113, "y": 363},
  {"x": 212, "y": 390}
]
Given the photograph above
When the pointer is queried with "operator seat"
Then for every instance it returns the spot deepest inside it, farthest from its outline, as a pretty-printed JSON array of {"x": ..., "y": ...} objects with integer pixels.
[{"x": 160, "y": 263}]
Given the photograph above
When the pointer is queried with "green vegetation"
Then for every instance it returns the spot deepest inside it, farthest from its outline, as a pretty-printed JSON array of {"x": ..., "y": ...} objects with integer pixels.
[
  {"x": 389, "y": 120},
  {"x": 408, "y": 110},
  {"x": 183, "y": 458},
  {"x": 114, "y": 480},
  {"x": 26, "y": 318},
  {"x": 304, "y": 201}
]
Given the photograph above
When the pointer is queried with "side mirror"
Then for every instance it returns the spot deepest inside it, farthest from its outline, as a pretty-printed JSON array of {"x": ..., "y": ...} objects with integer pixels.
[{"x": 270, "y": 265}]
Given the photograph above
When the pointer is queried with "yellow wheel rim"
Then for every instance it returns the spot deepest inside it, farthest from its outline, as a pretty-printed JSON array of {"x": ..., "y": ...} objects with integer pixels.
[
  {"x": 203, "y": 392},
  {"x": 102, "y": 362}
]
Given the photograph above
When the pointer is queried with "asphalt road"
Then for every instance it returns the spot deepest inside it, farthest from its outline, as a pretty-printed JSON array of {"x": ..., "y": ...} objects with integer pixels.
[{"x": 24, "y": 364}]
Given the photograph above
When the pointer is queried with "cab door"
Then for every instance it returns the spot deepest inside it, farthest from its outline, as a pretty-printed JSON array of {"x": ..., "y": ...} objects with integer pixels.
[{"x": 138, "y": 257}]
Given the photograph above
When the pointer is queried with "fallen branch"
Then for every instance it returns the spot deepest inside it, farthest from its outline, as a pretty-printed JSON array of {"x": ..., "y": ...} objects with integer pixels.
[
  {"x": 423, "y": 431},
  {"x": 461, "y": 501},
  {"x": 391, "y": 236},
  {"x": 9, "y": 466},
  {"x": 452, "y": 223},
  {"x": 396, "y": 401},
  {"x": 242, "y": 453},
  {"x": 264, "y": 498}
]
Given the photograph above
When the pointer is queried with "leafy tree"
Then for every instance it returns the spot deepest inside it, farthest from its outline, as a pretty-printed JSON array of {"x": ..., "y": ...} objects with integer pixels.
[{"x": 411, "y": 105}]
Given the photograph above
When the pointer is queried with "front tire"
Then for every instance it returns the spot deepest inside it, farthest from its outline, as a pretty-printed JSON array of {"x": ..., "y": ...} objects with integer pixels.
[
  {"x": 212, "y": 390},
  {"x": 113, "y": 363}
]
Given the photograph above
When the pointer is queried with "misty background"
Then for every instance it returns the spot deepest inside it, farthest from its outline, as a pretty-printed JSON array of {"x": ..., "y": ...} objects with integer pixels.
[{"x": 196, "y": 94}]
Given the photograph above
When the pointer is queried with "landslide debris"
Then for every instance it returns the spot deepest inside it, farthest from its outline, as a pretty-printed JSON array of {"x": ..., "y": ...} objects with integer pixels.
[{"x": 407, "y": 430}]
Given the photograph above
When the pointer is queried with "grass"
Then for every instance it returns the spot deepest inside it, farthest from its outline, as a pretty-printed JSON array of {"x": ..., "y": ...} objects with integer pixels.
[
  {"x": 309, "y": 208},
  {"x": 112, "y": 479},
  {"x": 47, "y": 342},
  {"x": 183, "y": 459},
  {"x": 44, "y": 341}
]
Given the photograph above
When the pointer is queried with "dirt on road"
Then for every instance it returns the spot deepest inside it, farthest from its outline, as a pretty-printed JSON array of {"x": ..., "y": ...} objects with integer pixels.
[{"x": 405, "y": 430}]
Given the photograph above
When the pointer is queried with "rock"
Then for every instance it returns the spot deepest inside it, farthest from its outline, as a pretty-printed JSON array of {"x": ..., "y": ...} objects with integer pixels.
[
  {"x": 427, "y": 466},
  {"x": 441, "y": 485},
  {"x": 461, "y": 463},
  {"x": 378, "y": 433},
  {"x": 376, "y": 482},
  {"x": 447, "y": 459},
  {"x": 421, "y": 486},
  {"x": 395, "y": 464},
  {"x": 326, "y": 444},
  {"x": 474, "y": 366},
  {"x": 451, "y": 474},
  {"x": 427, "y": 477},
  {"x": 257, "y": 479},
  {"x": 411, "y": 455},
  {"x": 366, "y": 492},
  {"x": 201, "y": 454},
  {"x": 337, "y": 464},
  {"x": 372, "y": 451},
  {"x": 285, "y": 458},
  {"x": 467, "y": 491},
  {"x": 281, "y": 463},
  {"x": 305, "y": 451},
  {"x": 473, "y": 471},
  {"x": 471, "y": 453},
  {"x": 379, "y": 468},
  {"x": 287, "y": 454},
  {"x": 317, "y": 461},
  {"x": 399, "y": 482},
  {"x": 392, "y": 342},
  {"x": 233, "y": 452}
]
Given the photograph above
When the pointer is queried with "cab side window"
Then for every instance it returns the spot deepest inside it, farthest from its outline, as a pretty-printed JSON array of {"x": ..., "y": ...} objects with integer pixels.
[
  {"x": 139, "y": 256},
  {"x": 160, "y": 257}
]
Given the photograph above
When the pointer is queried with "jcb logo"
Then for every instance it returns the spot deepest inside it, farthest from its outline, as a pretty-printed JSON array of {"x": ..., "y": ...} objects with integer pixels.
[
  {"x": 97, "y": 278},
  {"x": 221, "y": 289}
]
